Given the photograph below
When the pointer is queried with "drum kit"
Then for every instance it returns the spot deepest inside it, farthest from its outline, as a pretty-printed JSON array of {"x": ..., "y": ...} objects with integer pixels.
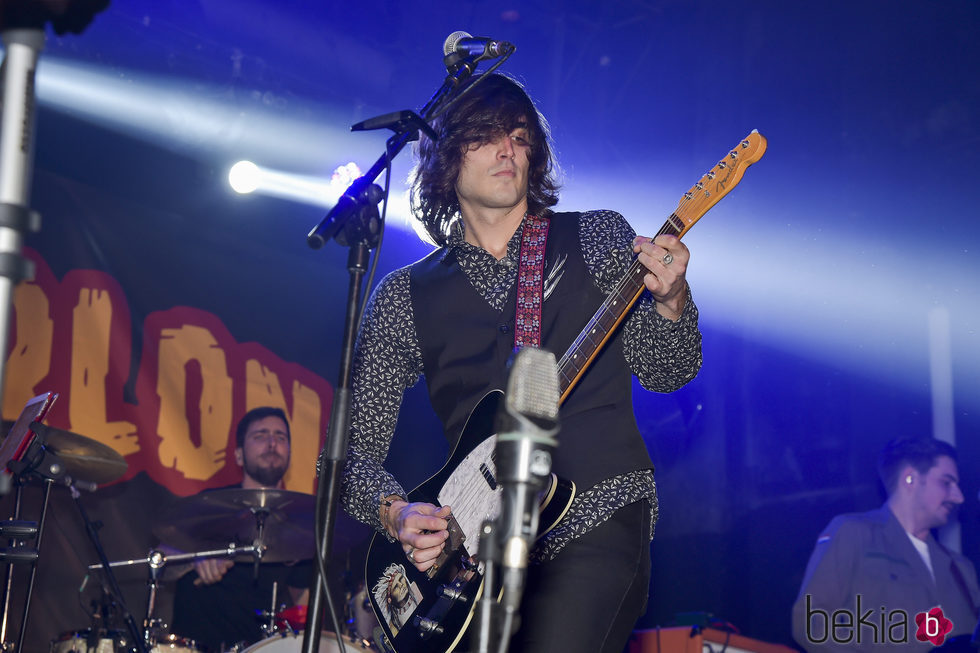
[{"x": 243, "y": 525}]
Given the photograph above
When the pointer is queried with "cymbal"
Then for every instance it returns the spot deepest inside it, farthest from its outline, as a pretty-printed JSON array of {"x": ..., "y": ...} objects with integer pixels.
[
  {"x": 216, "y": 518},
  {"x": 84, "y": 458}
]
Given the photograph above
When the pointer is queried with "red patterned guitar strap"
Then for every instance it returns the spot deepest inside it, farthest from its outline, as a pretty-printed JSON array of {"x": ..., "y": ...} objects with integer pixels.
[{"x": 530, "y": 283}]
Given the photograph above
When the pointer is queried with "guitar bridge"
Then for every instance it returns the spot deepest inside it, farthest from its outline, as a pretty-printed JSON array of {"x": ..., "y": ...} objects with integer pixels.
[{"x": 453, "y": 545}]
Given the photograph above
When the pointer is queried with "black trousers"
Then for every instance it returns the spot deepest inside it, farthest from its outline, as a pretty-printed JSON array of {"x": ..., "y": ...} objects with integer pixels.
[{"x": 590, "y": 596}]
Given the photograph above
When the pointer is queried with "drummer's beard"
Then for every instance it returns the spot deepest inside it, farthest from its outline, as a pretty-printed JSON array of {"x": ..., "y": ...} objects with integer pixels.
[{"x": 270, "y": 474}]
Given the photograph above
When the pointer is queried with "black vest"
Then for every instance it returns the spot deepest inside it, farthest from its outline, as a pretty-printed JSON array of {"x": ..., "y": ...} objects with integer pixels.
[{"x": 466, "y": 344}]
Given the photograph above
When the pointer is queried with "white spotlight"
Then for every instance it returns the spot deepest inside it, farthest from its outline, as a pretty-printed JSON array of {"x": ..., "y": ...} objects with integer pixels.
[{"x": 244, "y": 177}]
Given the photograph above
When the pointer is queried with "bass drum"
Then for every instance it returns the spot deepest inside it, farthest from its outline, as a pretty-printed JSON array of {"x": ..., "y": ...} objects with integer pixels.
[
  {"x": 77, "y": 641},
  {"x": 289, "y": 643},
  {"x": 173, "y": 644},
  {"x": 114, "y": 641},
  {"x": 362, "y": 615}
]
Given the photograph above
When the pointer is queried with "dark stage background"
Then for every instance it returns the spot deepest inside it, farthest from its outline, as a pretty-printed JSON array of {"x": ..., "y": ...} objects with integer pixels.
[{"x": 838, "y": 285}]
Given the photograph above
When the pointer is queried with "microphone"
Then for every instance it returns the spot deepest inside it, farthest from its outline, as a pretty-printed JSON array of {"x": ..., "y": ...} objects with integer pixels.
[
  {"x": 526, "y": 427},
  {"x": 481, "y": 47}
]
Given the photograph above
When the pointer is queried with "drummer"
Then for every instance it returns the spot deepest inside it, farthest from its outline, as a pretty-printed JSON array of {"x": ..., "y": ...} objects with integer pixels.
[{"x": 216, "y": 606}]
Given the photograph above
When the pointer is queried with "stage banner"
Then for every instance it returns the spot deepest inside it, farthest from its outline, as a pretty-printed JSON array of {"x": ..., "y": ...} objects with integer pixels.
[{"x": 194, "y": 381}]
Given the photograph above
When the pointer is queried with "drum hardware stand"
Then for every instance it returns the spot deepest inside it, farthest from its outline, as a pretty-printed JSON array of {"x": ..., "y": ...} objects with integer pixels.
[
  {"x": 92, "y": 528},
  {"x": 156, "y": 561},
  {"x": 103, "y": 613},
  {"x": 41, "y": 462},
  {"x": 276, "y": 626},
  {"x": 19, "y": 552},
  {"x": 38, "y": 462},
  {"x": 260, "y": 517},
  {"x": 271, "y": 627}
]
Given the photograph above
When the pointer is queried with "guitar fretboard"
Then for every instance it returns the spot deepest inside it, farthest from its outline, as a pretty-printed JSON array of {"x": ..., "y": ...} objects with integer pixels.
[
  {"x": 612, "y": 311},
  {"x": 714, "y": 185}
]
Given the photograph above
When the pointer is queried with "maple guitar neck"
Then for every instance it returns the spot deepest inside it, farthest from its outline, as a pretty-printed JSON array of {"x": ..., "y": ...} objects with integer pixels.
[{"x": 708, "y": 191}]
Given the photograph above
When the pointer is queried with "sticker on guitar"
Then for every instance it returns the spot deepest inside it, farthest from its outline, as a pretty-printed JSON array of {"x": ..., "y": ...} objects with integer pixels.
[{"x": 397, "y": 597}]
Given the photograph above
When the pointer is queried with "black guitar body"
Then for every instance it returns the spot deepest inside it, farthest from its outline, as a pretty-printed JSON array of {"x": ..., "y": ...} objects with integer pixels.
[{"x": 430, "y": 611}]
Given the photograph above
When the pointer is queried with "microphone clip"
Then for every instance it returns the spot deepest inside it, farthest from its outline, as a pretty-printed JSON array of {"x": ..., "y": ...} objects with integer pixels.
[
  {"x": 400, "y": 122},
  {"x": 354, "y": 219},
  {"x": 456, "y": 62}
]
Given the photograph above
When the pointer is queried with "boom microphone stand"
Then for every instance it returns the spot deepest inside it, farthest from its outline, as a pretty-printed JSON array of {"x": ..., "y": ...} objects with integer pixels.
[
  {"x": 364, "y": 224},
  {"x": 354, "y": 223}
]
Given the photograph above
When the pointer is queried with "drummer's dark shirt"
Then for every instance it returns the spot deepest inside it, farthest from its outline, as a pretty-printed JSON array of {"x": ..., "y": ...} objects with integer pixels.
[
  {"x": 223, "y": 614},
  {"x": 226, "y": 613}
]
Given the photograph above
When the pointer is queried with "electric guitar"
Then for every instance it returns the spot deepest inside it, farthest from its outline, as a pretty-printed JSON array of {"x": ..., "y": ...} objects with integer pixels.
[{"x": 431, "y": 610}]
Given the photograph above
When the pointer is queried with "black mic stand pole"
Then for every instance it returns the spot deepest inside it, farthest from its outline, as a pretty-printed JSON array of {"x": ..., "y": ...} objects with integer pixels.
[
  {"x": 362, "y": 234},
  {"x": 354, "y": 221},
  {"x": 486, "y": 610}
]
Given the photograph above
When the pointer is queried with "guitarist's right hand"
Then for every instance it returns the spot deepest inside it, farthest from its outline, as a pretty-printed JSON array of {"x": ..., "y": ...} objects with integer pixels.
[{"x": 421, "y": 528}]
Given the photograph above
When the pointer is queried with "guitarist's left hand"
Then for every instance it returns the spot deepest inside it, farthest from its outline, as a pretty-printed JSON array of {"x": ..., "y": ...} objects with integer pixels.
[
  {"x": 666, "y": 258},
  {"x": 422, "y": 530}
]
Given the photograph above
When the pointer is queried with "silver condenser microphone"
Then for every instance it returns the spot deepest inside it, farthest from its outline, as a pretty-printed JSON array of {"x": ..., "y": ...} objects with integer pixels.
[{"x": 526, "y": 428}]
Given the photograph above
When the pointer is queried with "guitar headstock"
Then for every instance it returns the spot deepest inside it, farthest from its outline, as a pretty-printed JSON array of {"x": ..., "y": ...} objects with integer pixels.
[{"x": 720, "y": 180}]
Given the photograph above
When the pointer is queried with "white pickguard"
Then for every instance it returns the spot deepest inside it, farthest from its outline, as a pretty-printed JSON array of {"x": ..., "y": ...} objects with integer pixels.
[{"x": 469, "y": 494}]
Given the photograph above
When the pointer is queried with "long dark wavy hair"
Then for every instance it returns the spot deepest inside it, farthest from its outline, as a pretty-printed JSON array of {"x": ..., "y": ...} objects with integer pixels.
[{"x": 492, "y": 108}]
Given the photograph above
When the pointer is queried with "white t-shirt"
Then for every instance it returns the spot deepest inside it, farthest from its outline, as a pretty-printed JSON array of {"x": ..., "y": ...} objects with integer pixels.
[{"x": 923, "y": 550}]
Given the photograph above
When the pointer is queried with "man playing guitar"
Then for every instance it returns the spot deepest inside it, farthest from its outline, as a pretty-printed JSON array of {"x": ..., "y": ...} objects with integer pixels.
[{"x": 451, "y": 317}]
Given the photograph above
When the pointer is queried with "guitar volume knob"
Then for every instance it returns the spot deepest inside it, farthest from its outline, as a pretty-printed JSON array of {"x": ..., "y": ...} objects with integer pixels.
[
  {"x": 452, "y": 593},
  {"x": 427, "y": 627}
]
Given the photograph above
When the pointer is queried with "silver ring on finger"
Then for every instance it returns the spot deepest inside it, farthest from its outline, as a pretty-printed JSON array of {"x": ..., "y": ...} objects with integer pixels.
[
  {"x": 668, "y": 258},
  {"x": 411, "y": 554}
]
